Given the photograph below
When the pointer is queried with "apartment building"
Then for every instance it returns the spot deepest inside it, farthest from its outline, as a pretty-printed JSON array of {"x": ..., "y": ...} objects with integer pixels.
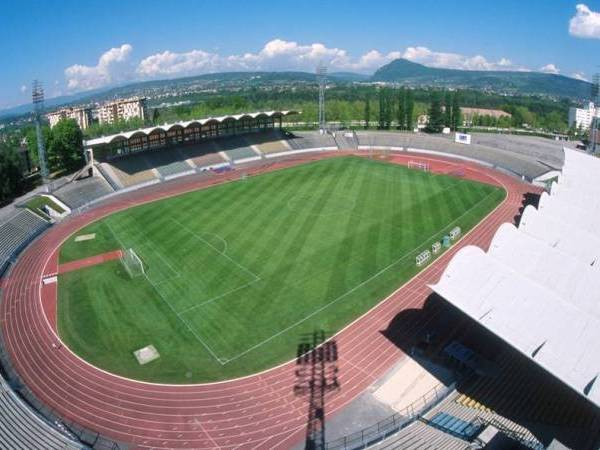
[
  {"x": 81, "y": 115},
  {"x": 122, "y": 109},
  {"x": 582, "y": 117}
]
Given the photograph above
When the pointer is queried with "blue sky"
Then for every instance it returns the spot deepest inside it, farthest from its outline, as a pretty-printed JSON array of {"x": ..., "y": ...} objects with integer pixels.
[{"x": 74, "y": 46}]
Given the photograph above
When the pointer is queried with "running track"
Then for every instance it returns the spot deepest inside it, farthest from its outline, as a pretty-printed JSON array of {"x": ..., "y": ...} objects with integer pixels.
[{"x": 259, "y": 411}]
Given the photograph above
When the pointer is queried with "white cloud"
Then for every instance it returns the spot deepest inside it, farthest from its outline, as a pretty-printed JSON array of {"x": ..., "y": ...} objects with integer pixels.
[
  {"x": 424, "y": 55},
  {"x": 550, "y": 68},
  {"x": 116, "y": 65},
  {"x": 585, "y": 23},
  {"x": 23, "y": 89},
  {"x": 113, "y": 66},
  {"x": 275, "y": 55},
  {"x": 579, "y": 76}
]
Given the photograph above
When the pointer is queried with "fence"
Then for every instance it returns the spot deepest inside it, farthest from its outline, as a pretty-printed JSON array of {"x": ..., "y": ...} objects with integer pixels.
[{"x": 393, "y": 424}]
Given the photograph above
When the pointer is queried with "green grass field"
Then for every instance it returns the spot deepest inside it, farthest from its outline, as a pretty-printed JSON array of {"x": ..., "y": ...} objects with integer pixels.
[{"x": 236, "y": 273}]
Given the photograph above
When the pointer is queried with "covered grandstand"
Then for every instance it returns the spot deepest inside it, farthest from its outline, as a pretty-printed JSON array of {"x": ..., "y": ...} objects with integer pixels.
[
  {"x": 188, "y": 132},
  {"x": 537, "y": 286}
]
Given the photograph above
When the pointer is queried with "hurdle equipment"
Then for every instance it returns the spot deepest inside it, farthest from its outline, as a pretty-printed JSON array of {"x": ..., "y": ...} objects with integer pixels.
[{"x": 423, "y": 258}]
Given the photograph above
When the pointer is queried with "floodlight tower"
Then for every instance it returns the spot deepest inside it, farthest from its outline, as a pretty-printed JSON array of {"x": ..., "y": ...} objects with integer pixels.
[
  {"x": 594, "y": 132},
  {"x": 37, "y": 95},
  {"x": 321, "y": 79}
]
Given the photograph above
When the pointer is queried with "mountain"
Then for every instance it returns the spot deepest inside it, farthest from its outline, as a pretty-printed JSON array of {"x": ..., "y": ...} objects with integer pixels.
[
  {"x": 413, "y": 74},
  {"x": 214, "y": 81}
]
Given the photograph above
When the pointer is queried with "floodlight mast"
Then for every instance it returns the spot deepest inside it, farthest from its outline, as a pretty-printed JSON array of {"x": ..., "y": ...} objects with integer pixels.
[
  {"x": 37, "y": 96},
  {"x": 321, "y": 80},
  {"x": 594, "y": 132}
]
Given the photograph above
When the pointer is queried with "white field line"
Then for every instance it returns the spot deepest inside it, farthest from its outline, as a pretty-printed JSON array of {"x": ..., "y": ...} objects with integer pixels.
[
  {"x": 162, "y": 258},
  {"x": 358, "y": 286},
  {"x": 214, "y": 299},
  {"x": 187, "y": 325},
  {"x": 257, "y": 278}
]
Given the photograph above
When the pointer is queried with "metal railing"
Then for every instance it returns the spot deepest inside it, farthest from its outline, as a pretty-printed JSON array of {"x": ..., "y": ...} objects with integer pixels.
[{"x": 391, "y": 425}]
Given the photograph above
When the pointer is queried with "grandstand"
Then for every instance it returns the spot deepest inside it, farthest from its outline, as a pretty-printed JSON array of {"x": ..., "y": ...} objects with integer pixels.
[
  {"x": 17, "y": 232},
  {"x": 540, "y": 299},
  {"x": 81, "y": 192},
  {"x": 515, "y": 158},
  {"x": 23, "y": 429}
]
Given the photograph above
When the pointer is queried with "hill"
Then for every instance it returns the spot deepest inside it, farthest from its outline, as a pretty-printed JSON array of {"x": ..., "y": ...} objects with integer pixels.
[{"x": 413, "y": 74}]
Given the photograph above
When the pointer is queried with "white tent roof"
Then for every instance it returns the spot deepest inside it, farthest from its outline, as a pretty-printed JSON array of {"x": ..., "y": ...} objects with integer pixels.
[
  {"x": 538, "y": 287},
  {"x": 534, "y": 319},
  {"x": 565, "y": 236}
]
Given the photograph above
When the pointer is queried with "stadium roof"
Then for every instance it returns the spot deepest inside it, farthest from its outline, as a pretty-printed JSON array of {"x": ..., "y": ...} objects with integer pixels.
[
  {"x": 538, "y": 287},
  {"x": 183, "y": 124}
]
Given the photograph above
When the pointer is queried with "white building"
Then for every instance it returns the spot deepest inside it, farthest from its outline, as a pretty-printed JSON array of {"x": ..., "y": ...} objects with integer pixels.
[
  {"x": 122, "y": 109},
  {"x": 81, "y": 115},
  {"x": 582, "y": 117}
]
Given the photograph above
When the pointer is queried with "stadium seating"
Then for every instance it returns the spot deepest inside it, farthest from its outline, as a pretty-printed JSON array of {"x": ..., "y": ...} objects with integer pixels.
[
  {"x": 131, "y": 170},
  {"x": 519, "y": 162},
  {"x": 201, "y": 154},
  {"x": 21, "y": 428},
  {"x": 81, "y": 192},
  {"x": 18, "y": 232},
  {"x": 168, "y": 162},
  {"x": 236, "y": 148},
  {"x": 270, "y": 142},
  {"x": 304, "y": 140}
]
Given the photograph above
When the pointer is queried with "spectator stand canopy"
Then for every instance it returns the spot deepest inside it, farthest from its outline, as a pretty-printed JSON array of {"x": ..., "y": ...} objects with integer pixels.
[
  {"x": 191, "y": 131},
  {"x": 538, "y": 286}
]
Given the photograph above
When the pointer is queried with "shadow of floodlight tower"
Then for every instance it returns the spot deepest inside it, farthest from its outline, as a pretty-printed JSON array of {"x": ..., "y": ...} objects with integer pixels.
[{"x": 316, "y": 375}]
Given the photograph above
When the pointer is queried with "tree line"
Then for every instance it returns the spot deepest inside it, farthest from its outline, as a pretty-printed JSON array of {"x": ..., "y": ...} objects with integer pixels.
[{"x": 64, "y": 152}]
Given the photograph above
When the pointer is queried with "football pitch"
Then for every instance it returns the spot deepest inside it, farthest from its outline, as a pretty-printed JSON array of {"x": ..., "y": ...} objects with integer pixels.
[{"x": 236, "y": 273}]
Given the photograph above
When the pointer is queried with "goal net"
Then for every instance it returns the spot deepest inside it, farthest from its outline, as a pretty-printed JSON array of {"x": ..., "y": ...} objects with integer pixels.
[
  {"x": 132, "y": 263},
  {"x": 418, "y": 165}
]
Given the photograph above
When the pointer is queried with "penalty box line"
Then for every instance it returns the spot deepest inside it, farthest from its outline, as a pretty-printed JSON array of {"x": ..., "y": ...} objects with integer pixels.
[
  {"x": 220, "y": 360},
  {"x": 358, "y": 286}
]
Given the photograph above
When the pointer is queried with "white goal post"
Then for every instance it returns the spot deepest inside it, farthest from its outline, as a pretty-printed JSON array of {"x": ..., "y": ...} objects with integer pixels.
[
  {"x": 418, "y": 165},
  {"x": 132, "y": 263}
]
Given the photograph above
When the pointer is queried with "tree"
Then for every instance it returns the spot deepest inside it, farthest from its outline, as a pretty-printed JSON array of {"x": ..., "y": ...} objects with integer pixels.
[
  {"x": 367, "y": 111},
  {"x": 11, "y": 173},
  {"x": 436, "y": 118},
  {"x": 410, "y": 106},
  {"x": 382, "y": 105},
  {"x": 66, "y": 147},
  {"x": 401, "y": 109},
  {"x": 456, "y": 114},
  {"x": 155, "y": 116},
  {"x": 389, "y": 108},
  {"x": 448, "y": 109}
]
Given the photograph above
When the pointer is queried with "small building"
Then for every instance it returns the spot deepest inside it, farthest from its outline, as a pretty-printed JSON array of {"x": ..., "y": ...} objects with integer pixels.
[{"x": 469, "y": 113}]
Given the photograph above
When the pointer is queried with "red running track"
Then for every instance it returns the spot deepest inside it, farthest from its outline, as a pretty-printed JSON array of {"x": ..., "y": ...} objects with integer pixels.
[{"x": 258, "y": 411}]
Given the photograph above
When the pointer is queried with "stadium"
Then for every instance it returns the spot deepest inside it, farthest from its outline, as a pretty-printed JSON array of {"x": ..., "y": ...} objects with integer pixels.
[{"x": 228, "y": 283}]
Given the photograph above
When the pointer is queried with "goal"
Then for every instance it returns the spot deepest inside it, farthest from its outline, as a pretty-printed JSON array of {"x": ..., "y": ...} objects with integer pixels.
[
  {"x": 132, "y": 263},
  {"x": 418, "y": 165}
]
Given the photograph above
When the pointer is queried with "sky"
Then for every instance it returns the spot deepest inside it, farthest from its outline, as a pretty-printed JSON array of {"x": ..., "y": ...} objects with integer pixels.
[{"x": 74, "y": 46}]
